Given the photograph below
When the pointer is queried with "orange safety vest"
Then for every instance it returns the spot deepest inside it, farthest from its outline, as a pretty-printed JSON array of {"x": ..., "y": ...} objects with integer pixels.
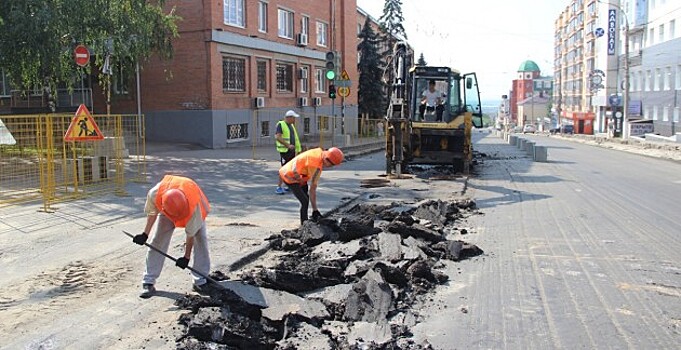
[
  {"x": 190, "y": 189},
  {"x": 302, "y": 167}
]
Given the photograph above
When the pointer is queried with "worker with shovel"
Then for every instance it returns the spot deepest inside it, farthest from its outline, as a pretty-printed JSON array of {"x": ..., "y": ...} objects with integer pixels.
[
  {"x": 176, "y": 201},
  {"x": 307, "y": 167}
]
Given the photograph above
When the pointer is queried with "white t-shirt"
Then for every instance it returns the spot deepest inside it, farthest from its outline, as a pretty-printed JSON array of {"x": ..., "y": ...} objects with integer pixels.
[
  {"x": 193, "y": 225},
  {"x": 431, "y": 97}
]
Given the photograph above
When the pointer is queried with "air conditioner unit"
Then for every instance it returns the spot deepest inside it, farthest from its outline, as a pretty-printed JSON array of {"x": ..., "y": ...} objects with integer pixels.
[
  {"x": 259, "y": 102},
  {"x": 317, "y": 101},
  {"x": 301, "y": 39},
  {"x": 302, "y": 101},
  {"x": 302, "y": 73}
]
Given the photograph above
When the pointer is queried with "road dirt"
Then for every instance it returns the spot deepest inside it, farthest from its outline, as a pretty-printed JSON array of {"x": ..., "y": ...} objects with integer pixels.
[{"x": 71, "y": 278}]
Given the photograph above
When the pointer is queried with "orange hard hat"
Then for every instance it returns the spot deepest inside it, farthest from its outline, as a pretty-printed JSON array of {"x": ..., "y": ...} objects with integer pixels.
[
  {"x": 175, "y": 204},
  {"x": 334, "y": 155}
]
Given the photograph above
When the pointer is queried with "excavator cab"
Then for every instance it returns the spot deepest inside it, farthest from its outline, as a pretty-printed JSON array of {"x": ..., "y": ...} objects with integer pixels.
[{"x": 440, "y": 108}]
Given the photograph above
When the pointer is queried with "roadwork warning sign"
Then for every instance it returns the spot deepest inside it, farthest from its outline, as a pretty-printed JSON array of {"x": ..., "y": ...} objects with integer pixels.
[{"x": 83, "y": 127}]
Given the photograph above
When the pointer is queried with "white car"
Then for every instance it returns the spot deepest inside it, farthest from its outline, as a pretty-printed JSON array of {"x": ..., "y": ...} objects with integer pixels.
[{"x": 529, "y": 128}]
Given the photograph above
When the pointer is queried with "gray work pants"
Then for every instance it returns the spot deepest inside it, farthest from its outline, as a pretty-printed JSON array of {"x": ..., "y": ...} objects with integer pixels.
[{"x": 161, "y": 241}]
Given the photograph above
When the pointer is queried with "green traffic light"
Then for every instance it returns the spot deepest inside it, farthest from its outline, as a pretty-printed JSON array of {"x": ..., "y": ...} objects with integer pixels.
[{"x": 330, "y": 75}]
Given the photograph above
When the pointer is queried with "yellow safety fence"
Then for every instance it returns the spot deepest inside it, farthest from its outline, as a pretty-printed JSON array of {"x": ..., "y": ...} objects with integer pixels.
[
  {"x": 314, "y": 131},
  {"x": 37, "y": 164}
]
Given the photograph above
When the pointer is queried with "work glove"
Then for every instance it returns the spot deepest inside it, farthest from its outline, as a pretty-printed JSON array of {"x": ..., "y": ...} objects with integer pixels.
[
  {"x": 182, "y": 262},
  {"x": 316, "y": 215},
  {"x": 141, "y": 238}
]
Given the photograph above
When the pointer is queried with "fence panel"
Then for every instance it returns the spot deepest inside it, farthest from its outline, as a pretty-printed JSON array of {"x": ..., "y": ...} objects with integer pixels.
[
  {"x": 314, "y": 131},
  {"x": 38, "y": 164}
]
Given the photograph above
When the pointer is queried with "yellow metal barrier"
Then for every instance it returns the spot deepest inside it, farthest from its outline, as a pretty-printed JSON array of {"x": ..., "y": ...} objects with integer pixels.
[{"x": 36, "y": 162}]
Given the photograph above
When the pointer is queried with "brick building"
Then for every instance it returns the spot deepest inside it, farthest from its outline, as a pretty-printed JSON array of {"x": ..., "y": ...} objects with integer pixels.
[{"x": 240, "y": 64}]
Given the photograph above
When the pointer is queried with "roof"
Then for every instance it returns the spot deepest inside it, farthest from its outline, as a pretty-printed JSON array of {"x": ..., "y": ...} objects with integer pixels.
[{"x": 528, "y": 66}]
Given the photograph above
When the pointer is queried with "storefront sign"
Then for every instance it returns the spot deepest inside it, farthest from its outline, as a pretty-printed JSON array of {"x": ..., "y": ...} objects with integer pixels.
[{"x": 612, "y": 31}]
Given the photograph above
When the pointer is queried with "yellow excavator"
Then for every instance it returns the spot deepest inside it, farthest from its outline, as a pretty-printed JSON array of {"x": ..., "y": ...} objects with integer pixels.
[{"x": 430, "y": 115}]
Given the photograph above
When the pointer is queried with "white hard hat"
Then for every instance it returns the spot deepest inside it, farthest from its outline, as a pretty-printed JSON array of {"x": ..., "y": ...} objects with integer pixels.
[{"x": 292, "y": 113}]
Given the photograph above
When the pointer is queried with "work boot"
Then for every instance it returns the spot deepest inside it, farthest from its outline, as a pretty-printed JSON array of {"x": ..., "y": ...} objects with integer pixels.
[
  {"x": 280, "y": 190},
  {"x": 205, "y": 289},
  {"x": 147, "y": 291}
]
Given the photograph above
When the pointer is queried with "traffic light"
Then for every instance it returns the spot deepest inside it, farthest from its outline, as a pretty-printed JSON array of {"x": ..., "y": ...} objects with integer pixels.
[
  {"x": 332, "y": 91},
  {"x": 331, "y": 66}
]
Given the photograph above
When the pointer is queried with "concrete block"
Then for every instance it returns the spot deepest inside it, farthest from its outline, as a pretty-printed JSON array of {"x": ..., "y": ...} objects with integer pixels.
[
  {"x": 540, "y": 154},
  {"x": 521, "y": 144},
  {"x": 512, "y": 140},
  {"x": 529, "y": 147}
]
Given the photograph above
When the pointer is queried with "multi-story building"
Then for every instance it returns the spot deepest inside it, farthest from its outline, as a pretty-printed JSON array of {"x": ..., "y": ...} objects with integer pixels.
[
  {"x": 239, "y": 65},
  {"x": 592, "y": 39},
  {"x": 530, "y": 96}
]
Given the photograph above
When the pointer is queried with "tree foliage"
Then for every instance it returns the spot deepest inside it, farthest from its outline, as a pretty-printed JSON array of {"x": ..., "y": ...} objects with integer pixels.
[
  {"x": 422, "y": 61},
  {"x": 37, "y": 37},
  {"x": 391, "y": 20},
  {"x": 371, "y": 87}
]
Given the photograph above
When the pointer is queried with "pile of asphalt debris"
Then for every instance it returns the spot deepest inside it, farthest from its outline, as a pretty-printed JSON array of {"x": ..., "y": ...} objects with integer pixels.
[{"x": 348, "y": 281}]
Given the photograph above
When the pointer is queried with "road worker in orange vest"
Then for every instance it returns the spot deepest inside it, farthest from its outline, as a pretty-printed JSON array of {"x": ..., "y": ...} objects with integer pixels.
[
  {"x": 307, "y": 168},
  {"x": 176, "y": 201}
]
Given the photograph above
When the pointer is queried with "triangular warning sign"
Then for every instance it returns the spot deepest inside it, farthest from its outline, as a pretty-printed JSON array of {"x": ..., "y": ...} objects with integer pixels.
[
  {"x": 83, "y": 127},
  {"x": 344, "y": 75},
  {"x": 6, "y": 137}
]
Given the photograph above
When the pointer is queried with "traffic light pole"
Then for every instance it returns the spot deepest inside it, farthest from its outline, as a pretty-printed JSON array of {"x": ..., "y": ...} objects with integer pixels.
[{"x": 333, "y": 121}]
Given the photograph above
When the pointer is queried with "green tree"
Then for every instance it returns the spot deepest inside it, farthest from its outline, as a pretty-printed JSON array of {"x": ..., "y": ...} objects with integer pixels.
[
  {"x": 391, "y": 20},
  {"x": 422, "y": 61},
  {"x": 370, "y": 92},
  {"x": 37, "y": 37}
]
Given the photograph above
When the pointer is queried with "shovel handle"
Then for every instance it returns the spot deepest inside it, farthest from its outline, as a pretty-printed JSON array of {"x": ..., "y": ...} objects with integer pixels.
[{"x": 208, "y": 278}]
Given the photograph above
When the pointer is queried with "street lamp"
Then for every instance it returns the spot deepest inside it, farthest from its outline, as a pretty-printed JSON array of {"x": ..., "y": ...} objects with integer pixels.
[{"x": 625, "y": 81}]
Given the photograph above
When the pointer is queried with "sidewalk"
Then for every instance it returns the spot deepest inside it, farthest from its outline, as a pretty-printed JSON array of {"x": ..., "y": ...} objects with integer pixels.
[{"x": 240, "y": 189}]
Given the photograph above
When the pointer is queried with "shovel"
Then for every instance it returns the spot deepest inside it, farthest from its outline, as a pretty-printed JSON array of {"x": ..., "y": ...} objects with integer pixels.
[{"x": 208, "y": 278}]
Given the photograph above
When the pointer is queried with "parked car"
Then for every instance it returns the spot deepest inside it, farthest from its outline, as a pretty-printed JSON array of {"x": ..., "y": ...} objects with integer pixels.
[
  {"x": 529, "y": 128},
  {"x": 562, "y": 129}
]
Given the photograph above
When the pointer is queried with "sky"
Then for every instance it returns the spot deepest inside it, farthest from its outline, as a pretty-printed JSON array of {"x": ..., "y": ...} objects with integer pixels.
[{"x": 489, "y": 37}]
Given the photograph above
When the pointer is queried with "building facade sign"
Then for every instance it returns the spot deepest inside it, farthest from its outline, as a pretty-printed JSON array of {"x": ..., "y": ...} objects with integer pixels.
[{"x": 612, "y": 31}]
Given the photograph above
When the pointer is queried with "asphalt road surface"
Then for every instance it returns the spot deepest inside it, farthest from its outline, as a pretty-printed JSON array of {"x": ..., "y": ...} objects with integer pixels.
[{"x": 582, "y": 252}]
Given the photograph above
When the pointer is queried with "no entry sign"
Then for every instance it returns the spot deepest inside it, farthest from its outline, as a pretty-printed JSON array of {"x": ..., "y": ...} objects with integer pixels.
[{"x": 82, "y": 55}]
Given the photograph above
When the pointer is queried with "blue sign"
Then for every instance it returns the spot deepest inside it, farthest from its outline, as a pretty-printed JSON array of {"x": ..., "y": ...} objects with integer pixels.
[
  {"x": 612, "y": 31},
  {"x": 614, "y": 100},
  {"x": 599, "y": 32}
]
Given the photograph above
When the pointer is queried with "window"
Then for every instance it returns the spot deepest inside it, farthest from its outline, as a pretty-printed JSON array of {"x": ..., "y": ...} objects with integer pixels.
[
  {"x": 305, "y": 25},
  {"x": 661, "y": 33},
  {"x": 233, "y": 74},
  {"x": 658, "y": 79},
  {"x": 651, "y": 37},
  {"x": 321, "y": 33},
  {"x": 306, "y": 126},
  {"x": 284, "y": 77},
  {"x": 262, "y": 17},
  {"x": 648, "y": 80},
  {"x": 672, "y": 25},
  {"x": 285, "y": 24},
  {"x": 234, "y": 12},
  {"x": 655, "y": 111},
  {"x": 262, "y": 76},
  {"x": 668, "y": 78},
  {"x": 304, "y": 79},
  {"x": 265, "y": 128},
  {"x": 677, "y": 85},
  {"x": 120, "y": 81},
  {"x": 319, "y": 80},
  {"x": 665, "y": 114},
  {"x": 676, "y": 114},
  {"x": 237, "y": 132}
]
